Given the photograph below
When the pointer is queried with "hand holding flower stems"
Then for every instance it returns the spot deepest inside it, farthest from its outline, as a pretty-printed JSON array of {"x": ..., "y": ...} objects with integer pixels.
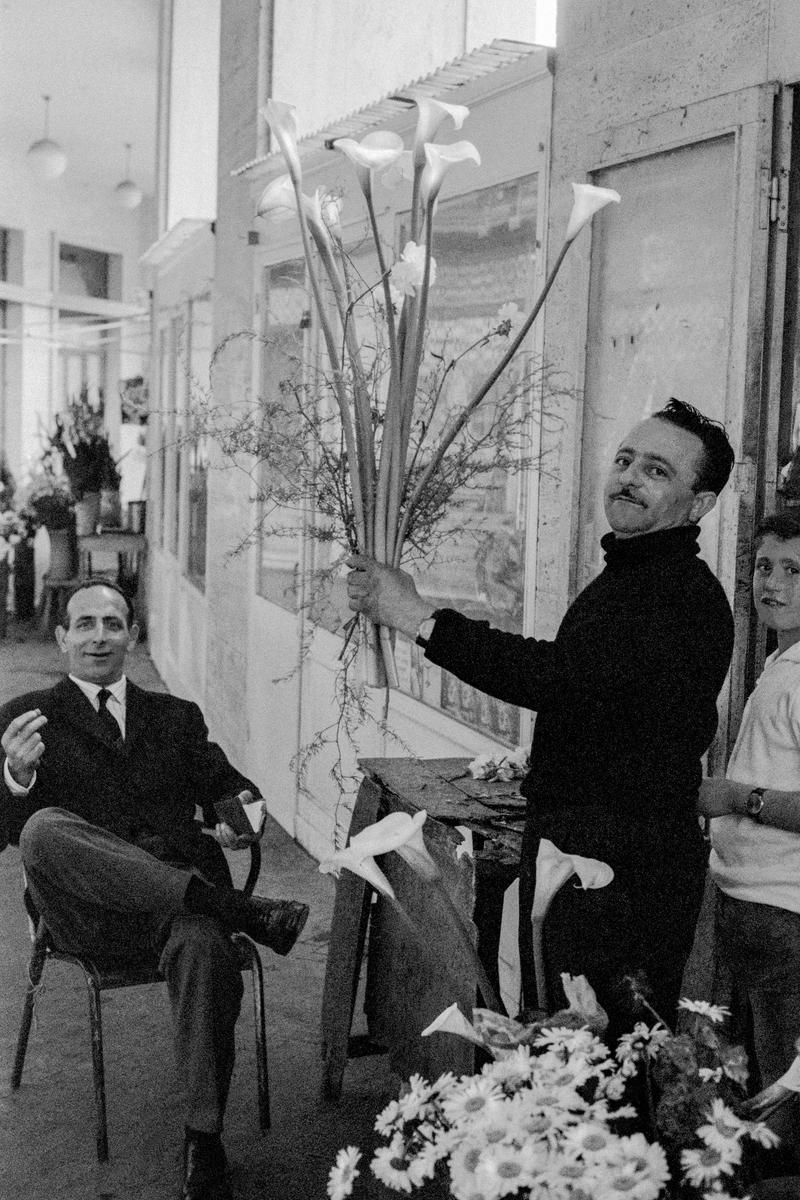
[{"x": 386, "y": 489}]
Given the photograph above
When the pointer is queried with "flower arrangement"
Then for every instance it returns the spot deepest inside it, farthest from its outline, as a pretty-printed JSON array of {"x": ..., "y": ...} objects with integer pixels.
[
  {"x": 495, "y": 765},
  {"x": 401, "y": 453},
  {"x": 80, "y": 441},
  {"x": 48, "y": 497},
  {"x": 550, "y": 1117},
  {"x": 13, "y": 530}
]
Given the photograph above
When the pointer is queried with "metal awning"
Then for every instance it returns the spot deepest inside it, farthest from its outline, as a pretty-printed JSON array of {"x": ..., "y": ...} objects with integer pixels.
[{"x": 456, "y": 74}]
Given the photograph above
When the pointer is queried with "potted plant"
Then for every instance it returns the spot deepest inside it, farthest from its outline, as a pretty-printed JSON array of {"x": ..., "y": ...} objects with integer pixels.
[
  {"x": 80, "y": 440},
  {"x": 49, "y": 500}
]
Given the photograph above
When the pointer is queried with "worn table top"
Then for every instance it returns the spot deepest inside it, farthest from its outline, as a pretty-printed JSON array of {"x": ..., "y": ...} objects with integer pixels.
[{"x": 448, "y": 793}]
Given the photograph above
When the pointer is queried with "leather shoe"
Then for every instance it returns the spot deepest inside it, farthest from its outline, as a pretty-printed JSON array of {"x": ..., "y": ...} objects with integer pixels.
[
  {"x": 204, "y": 1169},
  {"x": 274, "y": 923}
]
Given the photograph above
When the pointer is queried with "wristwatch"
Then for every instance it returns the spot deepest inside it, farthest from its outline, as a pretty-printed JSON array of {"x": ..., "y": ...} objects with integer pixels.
[{"x": 755, "y": 803}]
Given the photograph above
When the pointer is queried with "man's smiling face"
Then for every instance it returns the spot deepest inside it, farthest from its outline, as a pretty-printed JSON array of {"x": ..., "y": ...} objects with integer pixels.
[
  {"x": 652, "y": 479},
  {"x": 97, "y": 638}
]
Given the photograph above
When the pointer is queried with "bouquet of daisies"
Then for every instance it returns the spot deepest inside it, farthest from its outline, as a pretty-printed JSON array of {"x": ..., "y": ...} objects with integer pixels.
[{"x": 550, "y": 1117}]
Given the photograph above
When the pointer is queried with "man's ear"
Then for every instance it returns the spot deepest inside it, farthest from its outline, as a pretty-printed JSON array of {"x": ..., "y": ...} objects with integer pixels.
[
  {"x": 701, "y": 505},
  {"x": 61, "y": 634},
  {"x": 133, "y": 636}
]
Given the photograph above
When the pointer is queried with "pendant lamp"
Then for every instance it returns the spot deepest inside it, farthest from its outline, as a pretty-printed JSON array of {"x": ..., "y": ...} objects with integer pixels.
[
  {"x": 45, "y": 157},
  {"x": 128, "y": 193}
]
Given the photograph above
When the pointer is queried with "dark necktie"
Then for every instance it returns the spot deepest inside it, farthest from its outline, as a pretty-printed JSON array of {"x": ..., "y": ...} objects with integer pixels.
[{"x": 105, "y": 718}]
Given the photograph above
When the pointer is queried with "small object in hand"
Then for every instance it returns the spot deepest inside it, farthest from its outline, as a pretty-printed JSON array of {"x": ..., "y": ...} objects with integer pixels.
[{"x": 244, "y": 817}]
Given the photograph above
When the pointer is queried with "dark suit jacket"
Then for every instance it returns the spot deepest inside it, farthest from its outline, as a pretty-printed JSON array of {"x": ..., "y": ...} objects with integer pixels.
[{"x": 144, "y": 790}]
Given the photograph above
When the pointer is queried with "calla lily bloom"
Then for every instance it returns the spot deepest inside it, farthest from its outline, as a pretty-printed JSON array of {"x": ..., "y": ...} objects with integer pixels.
[
  {"x": 452, "y": 1020},
  {"x": 375, "y": 152},
  {"x": 280, "y": 118},
  {"x": 401, "y": 832},
  {"x": 432, "y": 115},
  {"x": 360, "y": 863},
  {"x": 439, "y": 159},
  {"x": 588, "y": 200},
  {"x": 553, "y": 869},
  {"x": 278, "y": 200}
]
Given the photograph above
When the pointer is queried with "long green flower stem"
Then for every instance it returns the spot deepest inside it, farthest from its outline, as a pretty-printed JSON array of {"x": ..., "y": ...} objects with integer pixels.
[
  {"x": 339, "y": 386},
  {"x": 485, "y": 987},
  {"x": 460, "y": 421}
]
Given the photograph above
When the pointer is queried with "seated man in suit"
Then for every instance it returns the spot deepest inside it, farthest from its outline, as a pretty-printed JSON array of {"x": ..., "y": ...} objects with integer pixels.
[{"x": 100, "y": 783}]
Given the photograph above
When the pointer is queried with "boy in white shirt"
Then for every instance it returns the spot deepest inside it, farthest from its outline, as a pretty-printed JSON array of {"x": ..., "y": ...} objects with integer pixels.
[{"x": 755, "y": 834}]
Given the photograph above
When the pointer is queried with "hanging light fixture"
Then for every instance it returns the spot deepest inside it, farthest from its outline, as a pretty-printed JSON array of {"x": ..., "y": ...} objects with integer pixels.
[
  {"x": 46, "y": 157},
  {"x": 128, "y": 193}
]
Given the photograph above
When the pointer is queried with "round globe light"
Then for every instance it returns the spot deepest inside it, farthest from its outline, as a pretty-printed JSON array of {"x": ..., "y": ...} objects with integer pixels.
[
  {"x": 47, "y": 159},
  {"x": 128, "y": 194}
]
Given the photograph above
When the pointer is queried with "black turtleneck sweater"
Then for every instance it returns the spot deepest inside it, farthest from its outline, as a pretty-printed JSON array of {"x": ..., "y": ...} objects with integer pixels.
[{"x": 625, "y": 694}]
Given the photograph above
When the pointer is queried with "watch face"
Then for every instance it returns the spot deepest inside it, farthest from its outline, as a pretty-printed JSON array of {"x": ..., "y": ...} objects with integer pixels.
[{"x": 755, "y": 803}]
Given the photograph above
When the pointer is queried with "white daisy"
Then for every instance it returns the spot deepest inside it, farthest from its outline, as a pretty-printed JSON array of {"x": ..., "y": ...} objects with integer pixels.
[
  {"x": 388, "y": 1120},
  {"x": 762, "y": 1134},
  {"x": 637, "y": 1169},
  {"x": 705, "y": 1165},
  {"x": 472, "y": 1099},
  {"x": 723, "y": 1126},
  {"x": 390, "y": 1165},
  {"x": 343, "y": 1174},
  {"x": 713, "y": 1012}
]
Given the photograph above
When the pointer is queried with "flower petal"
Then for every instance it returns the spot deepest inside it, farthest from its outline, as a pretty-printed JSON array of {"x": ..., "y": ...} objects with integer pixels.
[
  {"x": 432, "y": 115},
  {"x": 362, "y": 865},
  {"x": 588, "y": 200},
  {"x": 389, "y": 833},
  {"x": 280, "y": 118},
  {"x": 439, "y": 159},
  {"x": 452, "y": 1020},
  {"x": 278, "y": 199},
  {"x": 375, "y": 152}
]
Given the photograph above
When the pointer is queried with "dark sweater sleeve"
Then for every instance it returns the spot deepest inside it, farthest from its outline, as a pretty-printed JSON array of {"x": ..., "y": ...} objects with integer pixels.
[{"x": 602, "y": 656}]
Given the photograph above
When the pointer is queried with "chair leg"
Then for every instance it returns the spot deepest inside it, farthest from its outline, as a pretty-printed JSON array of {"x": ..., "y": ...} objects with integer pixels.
[
  {"x": 262, "y": 1074},
  {"x": 98, "y": 1067},
  {"x": 35, "y": 971}
]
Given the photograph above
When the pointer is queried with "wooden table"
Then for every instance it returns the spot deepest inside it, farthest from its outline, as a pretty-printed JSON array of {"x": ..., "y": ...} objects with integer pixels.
[{"x": 409, "y": 982}]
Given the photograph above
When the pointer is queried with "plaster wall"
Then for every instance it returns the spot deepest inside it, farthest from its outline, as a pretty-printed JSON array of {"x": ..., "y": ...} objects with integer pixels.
[
  {"x": 620, "y": 65},
  {"x": 334, "y": 57}
]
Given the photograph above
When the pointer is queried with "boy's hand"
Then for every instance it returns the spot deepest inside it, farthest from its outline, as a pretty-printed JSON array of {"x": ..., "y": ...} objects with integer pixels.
[
  {"x": 719, "y": 797},
  {"x": 229, "y": 840}
]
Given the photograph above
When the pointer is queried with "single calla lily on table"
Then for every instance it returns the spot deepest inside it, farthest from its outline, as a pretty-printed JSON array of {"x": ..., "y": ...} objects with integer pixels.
[
  {"x": 439, "y": 159},
  {"x": 398, "y": 831},
  {"x": 360, "y": 863},
  {"x": 280, "y": 118},
  {"x": 587, "y": 201}
]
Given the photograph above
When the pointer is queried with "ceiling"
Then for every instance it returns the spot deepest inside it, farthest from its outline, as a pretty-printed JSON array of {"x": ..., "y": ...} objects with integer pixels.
[{"x": 97, "y": 59}]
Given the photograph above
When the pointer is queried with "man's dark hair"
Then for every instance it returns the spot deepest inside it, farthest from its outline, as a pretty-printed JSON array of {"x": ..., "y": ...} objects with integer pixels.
[
  {"x": 784, "y": 526},
  {"x": 91, "y": 582},
  {"x": 718, "y": 456}
]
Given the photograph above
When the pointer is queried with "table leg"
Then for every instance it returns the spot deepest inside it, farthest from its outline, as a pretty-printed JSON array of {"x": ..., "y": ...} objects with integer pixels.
[{"x": 348, "y": 933}]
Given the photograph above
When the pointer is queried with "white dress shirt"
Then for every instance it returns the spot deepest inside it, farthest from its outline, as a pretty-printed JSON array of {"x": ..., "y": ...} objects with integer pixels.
[{"x": 116, "y": 705}]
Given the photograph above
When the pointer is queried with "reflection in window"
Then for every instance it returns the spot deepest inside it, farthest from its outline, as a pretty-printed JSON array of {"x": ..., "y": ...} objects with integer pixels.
[
  {"x": 199, "y": 356},
  {"x": 485, "y": 250},
  {"x": 279, "y": 539}
]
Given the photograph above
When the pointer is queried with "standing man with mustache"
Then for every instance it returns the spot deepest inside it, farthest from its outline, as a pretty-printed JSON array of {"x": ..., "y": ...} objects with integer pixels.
[{"x": 625, "y": 697}]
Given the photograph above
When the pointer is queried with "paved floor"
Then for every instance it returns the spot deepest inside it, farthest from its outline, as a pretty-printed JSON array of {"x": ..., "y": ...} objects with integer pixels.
[{"x": 47, "y": 1127}]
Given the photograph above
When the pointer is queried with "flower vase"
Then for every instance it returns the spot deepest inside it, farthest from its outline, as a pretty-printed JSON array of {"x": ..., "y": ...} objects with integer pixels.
[
  {"x": 87, "y": 513},
  {"x": 62, "y": 554},
  {"x": 110, "y": 508}
]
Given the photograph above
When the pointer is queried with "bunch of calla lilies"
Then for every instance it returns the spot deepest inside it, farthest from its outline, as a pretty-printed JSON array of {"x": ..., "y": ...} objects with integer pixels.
[{"x": 385, "y": 491}]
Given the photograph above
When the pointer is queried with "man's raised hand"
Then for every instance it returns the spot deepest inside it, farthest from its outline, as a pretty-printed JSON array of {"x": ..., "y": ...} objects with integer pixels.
[
  {"x": 386, "y": 595},
  {"x": 23, "y": 745}
]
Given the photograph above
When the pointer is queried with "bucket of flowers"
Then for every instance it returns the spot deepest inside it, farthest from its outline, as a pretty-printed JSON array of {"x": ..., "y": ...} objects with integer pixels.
[
  {"x": 550, "y": 1115},
  {"x": 555, "y": 1112}
]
